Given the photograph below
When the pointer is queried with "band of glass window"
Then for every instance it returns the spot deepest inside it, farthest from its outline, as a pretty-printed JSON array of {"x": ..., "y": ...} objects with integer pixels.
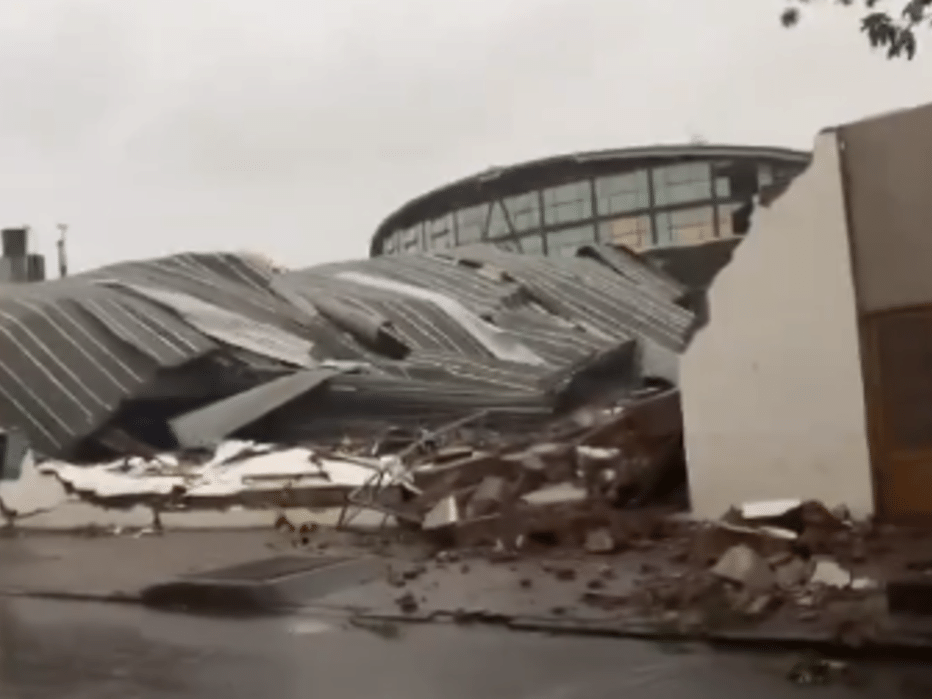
[{"x": 679, "y": 204}]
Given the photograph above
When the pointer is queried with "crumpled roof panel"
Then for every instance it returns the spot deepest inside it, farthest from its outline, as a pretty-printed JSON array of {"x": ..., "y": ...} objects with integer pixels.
[{"x": 480, "y": 329}]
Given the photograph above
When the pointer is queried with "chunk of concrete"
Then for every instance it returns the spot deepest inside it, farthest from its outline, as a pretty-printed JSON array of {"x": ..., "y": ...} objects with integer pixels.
[
  {"x": 744, "y": 566},
  {"x": 559, "y": 494},
  {"x": 710, "y": 542},
  {"x": 488, "y": 497},
  {"x": 600, "y": 541},
  {"x": 767, "y": 509},
  {"x": 827, "y": 572},
  {"x": 793, "y": 573},
  {"x": 444, "y": 513}
]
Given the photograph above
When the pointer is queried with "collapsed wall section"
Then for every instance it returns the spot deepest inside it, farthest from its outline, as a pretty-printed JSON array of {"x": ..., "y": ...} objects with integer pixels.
[{"x": 772, "y": 388}]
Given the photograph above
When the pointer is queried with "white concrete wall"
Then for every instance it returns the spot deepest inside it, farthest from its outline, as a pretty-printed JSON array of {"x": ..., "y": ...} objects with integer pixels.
[
  {"x": 890, "y": 164},
  {"x": 658, "y": 361},
  {"x": 772, "y": 390}
]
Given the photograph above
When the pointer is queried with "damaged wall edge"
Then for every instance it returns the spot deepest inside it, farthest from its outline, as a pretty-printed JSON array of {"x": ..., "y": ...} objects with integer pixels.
[{"x": 772, "y": 387}]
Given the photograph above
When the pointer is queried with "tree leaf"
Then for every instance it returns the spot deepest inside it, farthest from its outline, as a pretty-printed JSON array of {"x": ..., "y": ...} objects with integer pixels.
[{"x": 790, "y": 17}]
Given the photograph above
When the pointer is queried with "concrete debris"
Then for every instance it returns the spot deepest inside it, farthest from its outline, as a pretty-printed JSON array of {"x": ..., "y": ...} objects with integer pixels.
[
  {"x": 562, "y": 573},
  {"x": 600, "y": 541},
  {"x": 793, "y": 573},
  {"x": 758, "y": 564},
  {"x": 790, "y": 515},
  {"x": 744, "y": 566},
  {"x": 828, "y": 572},
  {"x": 864, "y": 584},
  {"x": 812, "y": 670},
  {"x": 237, "y": 474},
  {"x": 561, "y": 493},
  {"x": 712, "y": 539},
  {"x": 407, "y": 603},
  {"x": 768, "y": 509},
  {"x": 488, "y": 497},
  {"x": 443, "y": 514}
]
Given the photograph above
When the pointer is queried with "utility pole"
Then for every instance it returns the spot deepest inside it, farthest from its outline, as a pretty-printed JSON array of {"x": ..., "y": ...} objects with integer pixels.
[{"x": 62, "y": 257}]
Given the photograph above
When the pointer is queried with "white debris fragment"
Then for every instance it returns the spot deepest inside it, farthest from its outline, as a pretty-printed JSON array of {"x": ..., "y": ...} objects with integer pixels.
[
  {"x": 864, "y": 584},
  {"x": 597, "y": 453},
  {"x": 554, "y": 494},
  {"x": 443, "y": 513},
  {"x": 109, "y": 481},
  {"x": 768, "y": 509},
  {"x": 793, "y": 573},
  {"x": 600, "y": 541},
  {"x": 228, "y": 473},
  {"x": 827, "y": 572},
  {"x": 233, "y": 448},
  {"x": 773, "y": 532},
  {"x": 34, "y": 491},
  {"x": 744, "y": 566}
]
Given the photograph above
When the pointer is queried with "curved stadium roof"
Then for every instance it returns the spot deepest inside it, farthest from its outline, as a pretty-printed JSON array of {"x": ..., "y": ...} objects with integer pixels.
[{"x": 514, "y": 179}]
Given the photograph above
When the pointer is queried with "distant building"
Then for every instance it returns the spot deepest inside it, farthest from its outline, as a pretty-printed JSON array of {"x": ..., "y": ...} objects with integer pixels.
[
  {"x": 17, "y": 264},
  {"x": 642, "y": 198}
]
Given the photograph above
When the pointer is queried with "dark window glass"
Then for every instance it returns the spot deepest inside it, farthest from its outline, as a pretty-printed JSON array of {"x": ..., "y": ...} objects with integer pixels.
[
  {"x": 725, "y": 219},
  {"x": 567, "y": 203},
  {"x": 471, "y": 223},
  {"x": 532, "y": 244},
  {"x": 498, "y": 224},
  {"x": 411, "y": 238},
  {"x": 524, "y": 211},
  {"x": 722, "y": 187},
  {"x": 440, "y": 233},
  {"x": 686, "y": 182},
  {"x": 685, "y": 226},
  {"x": 633, "y": 232},
  {"x": 617, "y": 194},
  {"x": 565, "y": 242},
  {"x": 441, "y": 241}
]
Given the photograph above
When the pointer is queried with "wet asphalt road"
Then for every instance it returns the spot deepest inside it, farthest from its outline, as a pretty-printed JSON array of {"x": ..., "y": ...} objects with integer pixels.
[{"x": 94, "y": 651}]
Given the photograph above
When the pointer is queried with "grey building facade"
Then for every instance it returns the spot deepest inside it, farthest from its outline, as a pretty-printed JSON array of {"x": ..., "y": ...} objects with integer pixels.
[{"x": 642, "y": 198}]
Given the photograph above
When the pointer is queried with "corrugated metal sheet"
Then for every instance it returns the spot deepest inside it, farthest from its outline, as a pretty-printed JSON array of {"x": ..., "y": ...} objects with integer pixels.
[
  {"x": 74, "y": 351},
  {"x": 626, "y": 297}
]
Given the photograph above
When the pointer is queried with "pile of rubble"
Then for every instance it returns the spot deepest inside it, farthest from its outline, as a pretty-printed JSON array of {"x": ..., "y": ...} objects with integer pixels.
[
  {"x": 569, "y": 487},
  {"x": 454, "y": 391},
  {"x": 788, "y": 559},
  {"x": 569, "y": 482}
]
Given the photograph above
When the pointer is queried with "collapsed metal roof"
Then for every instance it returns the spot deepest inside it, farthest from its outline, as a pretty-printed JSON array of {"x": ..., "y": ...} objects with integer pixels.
[{"x": 418, "y": 338}]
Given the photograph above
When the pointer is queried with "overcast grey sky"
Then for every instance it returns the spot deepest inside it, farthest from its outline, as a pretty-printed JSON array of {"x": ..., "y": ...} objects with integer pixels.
[{"x": 294, "y": 126}]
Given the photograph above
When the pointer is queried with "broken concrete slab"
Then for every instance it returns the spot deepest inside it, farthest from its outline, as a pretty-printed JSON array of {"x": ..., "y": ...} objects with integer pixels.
[
  {"x": 488, "y": 497},
  {"x": 711, "y": 540},
  {"x": 443, "y": 514},
  {"x": 793, "y": 573},
  {"x": 827, "y": 572},
  {"x": 744, "y": 566}
]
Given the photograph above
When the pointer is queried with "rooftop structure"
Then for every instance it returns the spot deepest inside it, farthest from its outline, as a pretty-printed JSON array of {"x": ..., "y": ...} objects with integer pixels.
[{"x": 642, "y": 198}]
